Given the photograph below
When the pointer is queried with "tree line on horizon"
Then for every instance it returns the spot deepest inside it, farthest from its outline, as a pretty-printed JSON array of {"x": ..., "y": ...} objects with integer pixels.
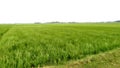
[{"x": 57, "y": 22}]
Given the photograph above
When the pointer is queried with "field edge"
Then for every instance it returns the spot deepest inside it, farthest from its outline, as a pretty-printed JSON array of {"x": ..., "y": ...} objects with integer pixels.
[{"x": 108, "y": 59}]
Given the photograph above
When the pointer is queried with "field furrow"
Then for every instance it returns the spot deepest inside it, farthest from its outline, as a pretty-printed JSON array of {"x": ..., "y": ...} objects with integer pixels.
[
  {"x": 25, "y": 46},
  {"x": 4, "y": 29}
]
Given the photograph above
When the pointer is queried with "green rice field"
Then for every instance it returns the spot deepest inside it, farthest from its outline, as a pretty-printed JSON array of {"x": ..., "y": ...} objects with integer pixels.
[{"x": 39, "y": 45}]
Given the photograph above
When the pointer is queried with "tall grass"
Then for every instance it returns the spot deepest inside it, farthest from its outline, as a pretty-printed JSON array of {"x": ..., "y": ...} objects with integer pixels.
[{"x": 25, "y": 46}]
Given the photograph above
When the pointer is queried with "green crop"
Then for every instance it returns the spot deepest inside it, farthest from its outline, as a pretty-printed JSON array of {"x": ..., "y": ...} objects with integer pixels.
[{"x": 25, "y": 46}]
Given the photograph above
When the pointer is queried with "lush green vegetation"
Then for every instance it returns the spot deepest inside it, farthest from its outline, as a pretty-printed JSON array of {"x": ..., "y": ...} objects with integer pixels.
[
  {"x": 109, "y": 59},
  {"x": 4, "y": 29},
  {"x": 25, "y": 46}
]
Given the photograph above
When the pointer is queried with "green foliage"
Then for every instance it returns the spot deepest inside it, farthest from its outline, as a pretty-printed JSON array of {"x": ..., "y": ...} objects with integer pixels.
[{"x": 25, "y": 46}]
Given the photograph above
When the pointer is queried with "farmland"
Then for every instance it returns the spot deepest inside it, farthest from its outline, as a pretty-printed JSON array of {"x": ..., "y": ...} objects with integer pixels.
[{"x": 33, "y": 45}]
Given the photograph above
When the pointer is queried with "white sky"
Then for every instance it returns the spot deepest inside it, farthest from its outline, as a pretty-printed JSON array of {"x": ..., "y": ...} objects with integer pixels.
[{"x": 24, "y": 11}]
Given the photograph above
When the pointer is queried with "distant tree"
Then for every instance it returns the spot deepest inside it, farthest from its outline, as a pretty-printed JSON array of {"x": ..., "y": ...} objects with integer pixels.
[
  {"x": 54, "y": 22},
  {"x": 37, "y": 23},
  {"x": 117, "y": 21},
  {"x": 72, "y": 22}
]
